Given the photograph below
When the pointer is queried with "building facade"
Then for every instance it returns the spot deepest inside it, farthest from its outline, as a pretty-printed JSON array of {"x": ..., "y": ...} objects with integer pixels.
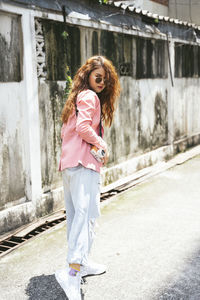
[{"x": 157, "y": 59}]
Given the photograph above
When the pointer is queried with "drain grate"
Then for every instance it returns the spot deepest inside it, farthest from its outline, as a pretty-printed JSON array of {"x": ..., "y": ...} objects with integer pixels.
[{"x": 14, "y": 241}]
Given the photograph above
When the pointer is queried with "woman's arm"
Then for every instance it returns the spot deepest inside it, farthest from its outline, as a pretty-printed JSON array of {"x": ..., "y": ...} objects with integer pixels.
[{"x": 86, "y": 105}]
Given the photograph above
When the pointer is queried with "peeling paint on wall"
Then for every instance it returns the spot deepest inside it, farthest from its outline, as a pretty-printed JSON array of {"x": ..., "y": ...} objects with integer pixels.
[
  {"x": 62, "y": 51},
  {"x": 51, "y": 96},
  {"x": 10, "y": 48},
  {"x": 160, "y": 131},
  {"x": 12, "y": 178}
]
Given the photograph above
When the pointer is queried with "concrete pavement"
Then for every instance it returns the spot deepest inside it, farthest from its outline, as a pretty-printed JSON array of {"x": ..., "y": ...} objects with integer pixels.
[{"x": 149, "y": 237}]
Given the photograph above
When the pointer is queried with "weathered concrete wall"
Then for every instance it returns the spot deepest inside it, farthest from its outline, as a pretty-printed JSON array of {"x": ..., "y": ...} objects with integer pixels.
[
  {"x": 12, "y": 161},
  {"x": 12, "y": 175},
  {"x": 140, "y": 121},
  {"x": 62, "y": 52},
  {"x": 10, "y": 48},
  {"x": 50, "y": 103},
  {"x": 17, "y": 116},
  {"x": 186, "y": 108},
  {"x": 153, "y": 118},
  {"x": 185, "y": 10}
]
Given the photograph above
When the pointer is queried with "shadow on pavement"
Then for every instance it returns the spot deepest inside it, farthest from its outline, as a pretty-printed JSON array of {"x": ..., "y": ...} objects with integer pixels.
[
  {"x": 187, "y": 285},
  {"x": 45, "y": 287}
]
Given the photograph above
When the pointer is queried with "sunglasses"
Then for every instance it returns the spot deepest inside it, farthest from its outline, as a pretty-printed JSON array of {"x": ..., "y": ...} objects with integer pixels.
[{"x": 100, "y": 79}]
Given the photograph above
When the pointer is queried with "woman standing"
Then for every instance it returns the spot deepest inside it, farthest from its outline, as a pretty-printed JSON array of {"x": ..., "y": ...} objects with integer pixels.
[{"x": 92, "y": 99}]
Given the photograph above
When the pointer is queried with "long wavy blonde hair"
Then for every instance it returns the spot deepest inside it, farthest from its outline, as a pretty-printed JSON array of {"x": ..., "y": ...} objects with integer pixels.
[{"x": 108, "y": 96}]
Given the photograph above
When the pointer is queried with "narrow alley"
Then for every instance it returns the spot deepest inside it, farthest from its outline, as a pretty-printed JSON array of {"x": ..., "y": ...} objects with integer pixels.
[{"x": 148, "y": 236}]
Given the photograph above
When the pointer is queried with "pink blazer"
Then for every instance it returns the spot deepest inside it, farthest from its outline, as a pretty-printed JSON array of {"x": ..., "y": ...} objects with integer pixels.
[{"x": 81, "y": 131}]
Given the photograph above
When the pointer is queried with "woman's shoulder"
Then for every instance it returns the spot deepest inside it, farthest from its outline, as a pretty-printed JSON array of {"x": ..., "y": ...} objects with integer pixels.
[{"x": 87, "y": 94}]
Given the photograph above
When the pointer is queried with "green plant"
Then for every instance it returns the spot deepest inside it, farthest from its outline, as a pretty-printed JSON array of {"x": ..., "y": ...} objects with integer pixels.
[
  {"x": 103, "y": 1},
  {"x": 65, "y": 35},
  {"x": 68, "y": 84}
]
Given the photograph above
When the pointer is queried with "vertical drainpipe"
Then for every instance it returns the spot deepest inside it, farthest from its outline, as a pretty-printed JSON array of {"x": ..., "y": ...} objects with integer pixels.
[
  {"x": 170, "y": 50},
  {"x": 169, "y": 59}
]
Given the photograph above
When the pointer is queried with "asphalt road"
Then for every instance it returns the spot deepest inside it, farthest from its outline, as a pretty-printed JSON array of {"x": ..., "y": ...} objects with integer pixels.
[{"x": 149, "y": 237}]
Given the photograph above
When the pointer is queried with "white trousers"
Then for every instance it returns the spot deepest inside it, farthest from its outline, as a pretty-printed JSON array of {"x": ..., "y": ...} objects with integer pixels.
[{"x": 82, "y": 203}]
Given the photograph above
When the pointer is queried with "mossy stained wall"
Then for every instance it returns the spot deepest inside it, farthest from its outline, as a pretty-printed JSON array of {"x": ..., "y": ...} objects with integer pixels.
[
  {"x": 12, "y": 158},
  {"x": 141, "y": 119},
  {"x": 62, "y": 52},
  {"x": 10, "y": 48}
]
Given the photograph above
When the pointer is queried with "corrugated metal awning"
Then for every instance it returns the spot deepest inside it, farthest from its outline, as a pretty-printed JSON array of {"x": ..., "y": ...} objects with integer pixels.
[
  {"x": 149, "y": 14},
  {"x": 116, "y": 14}
]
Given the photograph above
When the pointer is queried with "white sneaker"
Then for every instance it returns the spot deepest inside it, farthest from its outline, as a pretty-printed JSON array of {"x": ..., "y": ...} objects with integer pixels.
[
  {"x": 92, "y": 269},
  {"x": 70, "y": 284}
]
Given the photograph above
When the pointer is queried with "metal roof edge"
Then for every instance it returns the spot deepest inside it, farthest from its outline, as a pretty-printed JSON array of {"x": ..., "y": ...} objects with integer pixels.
[
  {"x": 57, "y": 6},
  {"x": 153, "y": 15}
]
